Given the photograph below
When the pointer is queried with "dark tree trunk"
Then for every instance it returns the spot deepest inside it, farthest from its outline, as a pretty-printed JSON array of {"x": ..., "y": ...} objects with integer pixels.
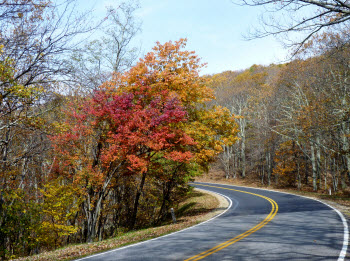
[{"x": 136, "y": 202}]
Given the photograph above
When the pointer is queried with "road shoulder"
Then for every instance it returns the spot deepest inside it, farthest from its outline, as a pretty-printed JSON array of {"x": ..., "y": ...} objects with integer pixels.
[{"x": 223, "y": 205}]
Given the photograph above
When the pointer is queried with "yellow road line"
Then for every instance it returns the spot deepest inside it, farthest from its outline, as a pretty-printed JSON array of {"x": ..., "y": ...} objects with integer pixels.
[{"x": 270, "y": 216}]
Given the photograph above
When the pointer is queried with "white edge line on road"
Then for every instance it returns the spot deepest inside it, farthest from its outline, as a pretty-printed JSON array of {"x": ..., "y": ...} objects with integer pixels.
[
  {"x": 146, "y": 241},
  {"x": 343, "y": 219}
]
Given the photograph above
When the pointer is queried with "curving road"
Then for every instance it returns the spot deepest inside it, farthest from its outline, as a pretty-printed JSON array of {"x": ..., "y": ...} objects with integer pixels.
[{"x": 258, "y": 225}]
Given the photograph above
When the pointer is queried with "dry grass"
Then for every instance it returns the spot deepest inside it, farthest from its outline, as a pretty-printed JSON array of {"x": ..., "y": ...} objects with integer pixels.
[{"x": 195, "y": 209}]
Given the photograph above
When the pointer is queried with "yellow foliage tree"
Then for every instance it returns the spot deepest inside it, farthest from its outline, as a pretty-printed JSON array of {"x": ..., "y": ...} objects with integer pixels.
[{"x": 60, "y": 204}]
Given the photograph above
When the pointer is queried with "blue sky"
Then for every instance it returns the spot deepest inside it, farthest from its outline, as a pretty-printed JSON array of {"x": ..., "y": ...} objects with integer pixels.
[{"x": 214, "y": 30}]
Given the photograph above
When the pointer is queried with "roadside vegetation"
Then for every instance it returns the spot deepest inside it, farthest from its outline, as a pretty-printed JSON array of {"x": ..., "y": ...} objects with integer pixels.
[{"x": 196, "y": 207}]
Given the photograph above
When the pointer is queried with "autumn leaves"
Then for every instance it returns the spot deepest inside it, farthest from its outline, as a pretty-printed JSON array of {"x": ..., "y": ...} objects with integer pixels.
[{"x": 148, "y": 130}]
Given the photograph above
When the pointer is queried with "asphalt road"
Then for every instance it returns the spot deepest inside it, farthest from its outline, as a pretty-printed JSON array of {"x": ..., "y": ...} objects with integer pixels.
[{"x": 258, "y": 225}]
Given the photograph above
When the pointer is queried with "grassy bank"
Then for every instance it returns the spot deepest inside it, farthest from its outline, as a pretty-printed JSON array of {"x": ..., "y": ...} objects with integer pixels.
[{"x": 195, "y": 209}]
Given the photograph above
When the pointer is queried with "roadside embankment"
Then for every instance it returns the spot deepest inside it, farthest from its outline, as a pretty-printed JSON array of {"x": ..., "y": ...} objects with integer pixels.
[{"x": 198, "y": 207}]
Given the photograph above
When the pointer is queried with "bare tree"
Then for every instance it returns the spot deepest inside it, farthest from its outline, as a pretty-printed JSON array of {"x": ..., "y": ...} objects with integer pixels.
[
  {"x": 113, "y": 51},
  {"x": 308, "y": 17}
]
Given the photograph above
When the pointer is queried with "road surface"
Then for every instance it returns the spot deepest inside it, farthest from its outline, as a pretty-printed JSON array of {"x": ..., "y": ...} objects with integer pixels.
[{"x": 258, "y": 225}]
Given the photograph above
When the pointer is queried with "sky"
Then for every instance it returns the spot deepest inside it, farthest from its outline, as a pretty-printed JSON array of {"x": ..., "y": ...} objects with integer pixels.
[{"x": 214, "y": 30}]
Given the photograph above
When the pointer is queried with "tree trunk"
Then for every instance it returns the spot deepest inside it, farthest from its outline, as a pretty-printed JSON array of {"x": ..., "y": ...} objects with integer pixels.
[
  {"x": 235, "y": 165},
  {"x": 345, "y": 132},
  {"x": 306, "y": 162},
  {"x": 166, "y": 198},
  {"x": 318, "y": 160},
  {"x": 335, "y": 175},
  {"x": 243, "y": 155},
  {"x": 93, "y": 213},
  {"x": 269, "y": 167},
  {"x": 314, "y": 167},
  {"x": 298, "y": 174},
  {"x": 136, "y": 202}
]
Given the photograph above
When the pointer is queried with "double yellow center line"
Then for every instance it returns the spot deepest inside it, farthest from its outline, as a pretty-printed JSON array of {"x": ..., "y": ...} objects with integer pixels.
[{"x": 231, "y": 241}]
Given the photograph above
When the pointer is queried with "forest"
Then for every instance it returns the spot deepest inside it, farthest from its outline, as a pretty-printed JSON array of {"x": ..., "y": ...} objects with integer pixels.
[
  {"x": 293, "y": 119},
  {"x": 94, "y": 142}
]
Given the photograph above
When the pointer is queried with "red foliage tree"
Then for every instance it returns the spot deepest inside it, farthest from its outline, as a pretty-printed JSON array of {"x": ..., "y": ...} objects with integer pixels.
[{"x": 120, "y": 134}]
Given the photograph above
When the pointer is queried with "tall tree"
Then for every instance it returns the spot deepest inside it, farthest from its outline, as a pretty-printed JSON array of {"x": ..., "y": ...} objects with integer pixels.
[{"x": 150, "y": 124}]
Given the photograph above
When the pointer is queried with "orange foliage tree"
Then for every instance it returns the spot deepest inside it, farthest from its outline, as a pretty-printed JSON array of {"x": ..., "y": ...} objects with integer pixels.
[{"x": 150, "y": 123}]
